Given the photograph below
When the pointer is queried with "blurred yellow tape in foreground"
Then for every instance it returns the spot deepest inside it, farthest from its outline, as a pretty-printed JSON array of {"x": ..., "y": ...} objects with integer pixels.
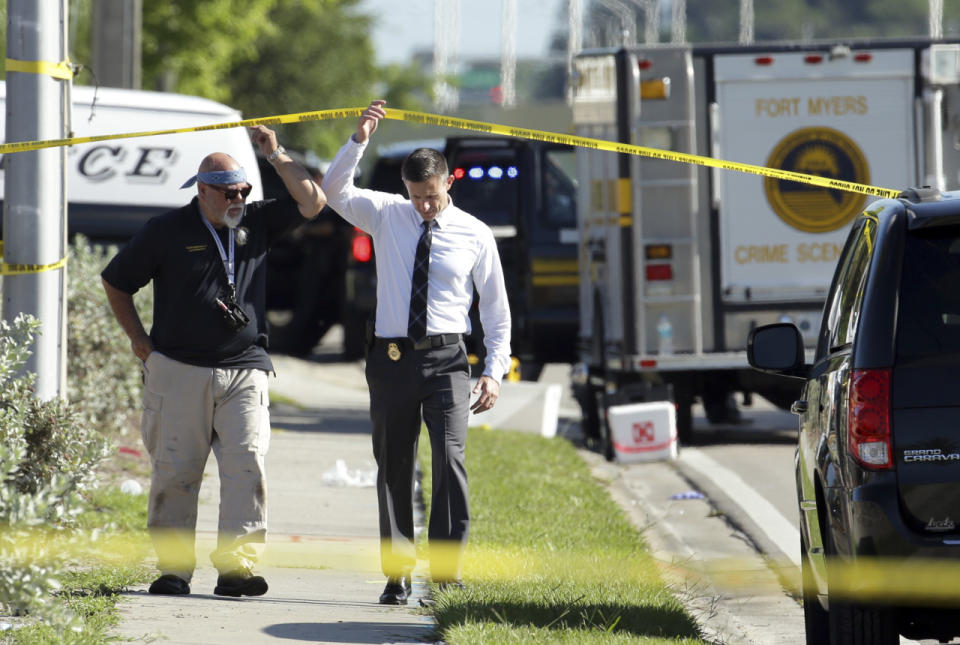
[
  {"x": 923, "y": 582},
  {"x": 488, "y": 128}
]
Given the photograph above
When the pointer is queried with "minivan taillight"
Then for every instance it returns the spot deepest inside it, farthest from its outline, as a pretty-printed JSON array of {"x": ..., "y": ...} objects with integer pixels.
[
  {"x": 868, "y": 418},
  {"x": 362, "y": 247}
]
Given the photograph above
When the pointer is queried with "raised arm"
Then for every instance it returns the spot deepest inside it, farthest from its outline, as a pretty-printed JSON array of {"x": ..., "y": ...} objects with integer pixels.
[
  {"x": 361, "y": 207},
  {"x": 369, "y": 119},
  {"x": 301, "y": 186}
]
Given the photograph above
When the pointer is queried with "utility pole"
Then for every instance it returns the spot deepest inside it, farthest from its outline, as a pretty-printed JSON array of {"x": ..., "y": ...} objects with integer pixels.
[
  {"x": 34, "y": 209},
  {"x": 678, "y": 21},
  {"x": 747, "y": 20},
  {"x": 627, "y": 18},
  {"x": 116, "y": 42},
  {"x": 508, "y": 53},
  {"x": 446, "y": 32},
  {"x": 935, "y": 15},
  {"x": 574, "y": 42}
]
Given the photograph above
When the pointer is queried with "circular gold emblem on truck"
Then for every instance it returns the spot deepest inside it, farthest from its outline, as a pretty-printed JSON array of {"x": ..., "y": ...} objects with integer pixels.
[{"x": 816, "y": 151}]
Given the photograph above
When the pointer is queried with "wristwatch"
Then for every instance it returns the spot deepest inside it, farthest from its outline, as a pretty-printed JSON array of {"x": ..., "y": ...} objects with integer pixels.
[{"x": 276, "y": 153}]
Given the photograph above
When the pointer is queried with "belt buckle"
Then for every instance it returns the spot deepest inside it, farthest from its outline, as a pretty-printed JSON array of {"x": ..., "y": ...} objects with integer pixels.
[{"x": 393, "y": 352}]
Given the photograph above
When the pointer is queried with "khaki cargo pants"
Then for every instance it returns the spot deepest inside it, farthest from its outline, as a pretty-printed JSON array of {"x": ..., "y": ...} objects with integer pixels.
[{"x": 187, "y": 411}]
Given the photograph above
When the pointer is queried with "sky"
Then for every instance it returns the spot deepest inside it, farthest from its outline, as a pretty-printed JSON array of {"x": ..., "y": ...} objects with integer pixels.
[{"x": 403, "y": 27}]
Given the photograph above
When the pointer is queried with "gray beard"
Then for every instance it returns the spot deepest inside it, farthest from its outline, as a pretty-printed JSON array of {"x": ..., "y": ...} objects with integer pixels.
[{"x": 233, "y": 220}]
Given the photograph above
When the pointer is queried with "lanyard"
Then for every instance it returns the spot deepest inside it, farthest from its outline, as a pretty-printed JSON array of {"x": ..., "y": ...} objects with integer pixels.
[{"x": 227, "y": 260}]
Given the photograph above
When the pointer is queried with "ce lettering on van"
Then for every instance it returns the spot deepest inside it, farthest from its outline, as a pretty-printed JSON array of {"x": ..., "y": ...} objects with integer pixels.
[{"x": 141, "y": 164}]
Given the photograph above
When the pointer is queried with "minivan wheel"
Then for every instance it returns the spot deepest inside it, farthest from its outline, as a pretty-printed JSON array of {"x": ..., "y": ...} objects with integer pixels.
[
  {"x": 853, "y": 624},
  {"x": 815, "y": 619},
  {"x": 859, "y": 624}
]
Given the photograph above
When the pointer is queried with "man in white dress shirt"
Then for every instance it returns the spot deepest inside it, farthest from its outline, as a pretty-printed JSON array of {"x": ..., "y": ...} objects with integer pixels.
[{"x": 431, "y": 253}]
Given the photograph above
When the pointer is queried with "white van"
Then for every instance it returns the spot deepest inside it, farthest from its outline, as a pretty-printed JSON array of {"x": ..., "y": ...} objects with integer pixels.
[{"x": 114, "y": 186}]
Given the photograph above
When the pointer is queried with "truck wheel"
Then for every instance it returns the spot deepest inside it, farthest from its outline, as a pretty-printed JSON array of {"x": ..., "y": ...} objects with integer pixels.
[
  {"x": 530, "y": 370},
  {"x": 589, "y": 416},
  {"x": 684, "y": 402},
  {"x": 606, "y": 437}
]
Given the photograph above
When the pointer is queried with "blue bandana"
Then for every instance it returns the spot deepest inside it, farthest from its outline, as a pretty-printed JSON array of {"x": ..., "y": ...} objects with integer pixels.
[{"x": 218, "y": 177}]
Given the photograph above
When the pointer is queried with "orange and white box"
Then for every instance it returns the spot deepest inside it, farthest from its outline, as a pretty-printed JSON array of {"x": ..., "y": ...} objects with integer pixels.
[{"x": 643, "y": 431}]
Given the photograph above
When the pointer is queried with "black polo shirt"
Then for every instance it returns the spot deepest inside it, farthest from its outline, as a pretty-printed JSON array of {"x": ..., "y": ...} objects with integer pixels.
[{"x": 177, "y": 252}]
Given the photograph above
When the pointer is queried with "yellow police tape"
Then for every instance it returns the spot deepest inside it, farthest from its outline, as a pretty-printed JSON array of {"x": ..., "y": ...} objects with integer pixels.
[
  {"x": 906, "y": 581},
  {"x": 62, "y": 70},
  {"x": 442, "y": 121},
  {"x": 488, "y": 128},
  {"x": 9, "y": 268}
]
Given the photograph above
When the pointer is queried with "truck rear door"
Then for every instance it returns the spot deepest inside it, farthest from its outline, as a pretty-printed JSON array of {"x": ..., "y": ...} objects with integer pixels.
[{"x": 834, "y": 113}]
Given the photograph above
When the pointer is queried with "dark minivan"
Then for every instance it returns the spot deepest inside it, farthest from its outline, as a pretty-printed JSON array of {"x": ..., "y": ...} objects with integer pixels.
[{"x": 878, "y": 457}]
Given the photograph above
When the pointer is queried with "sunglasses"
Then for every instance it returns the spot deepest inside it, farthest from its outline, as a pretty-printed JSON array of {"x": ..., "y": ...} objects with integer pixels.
[{"x": 232, "y": 193}]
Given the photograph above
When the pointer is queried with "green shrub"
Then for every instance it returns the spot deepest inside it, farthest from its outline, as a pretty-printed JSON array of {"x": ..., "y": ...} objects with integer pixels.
[
  {"x": 49, "y": 450},
  {"x": 103, "y": 375},
  {"x": 47, "y": 454}
]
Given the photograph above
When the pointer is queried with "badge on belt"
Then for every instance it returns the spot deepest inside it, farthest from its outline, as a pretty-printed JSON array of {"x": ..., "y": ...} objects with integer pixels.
[{"x": 393, "y": 351}]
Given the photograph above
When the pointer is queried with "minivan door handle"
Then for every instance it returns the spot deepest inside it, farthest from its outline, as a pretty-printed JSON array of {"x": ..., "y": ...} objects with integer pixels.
[{"x": 798, "y": 407}]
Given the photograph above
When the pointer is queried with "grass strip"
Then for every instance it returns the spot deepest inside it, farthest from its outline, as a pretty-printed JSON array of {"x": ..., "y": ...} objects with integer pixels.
[
  {"x": 578, "y": 571},
  {"x": 89, "y": 588}
]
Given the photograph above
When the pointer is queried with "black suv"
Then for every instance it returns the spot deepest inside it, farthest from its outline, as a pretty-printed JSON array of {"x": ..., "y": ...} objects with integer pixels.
[{"x": 878, "y": 457}]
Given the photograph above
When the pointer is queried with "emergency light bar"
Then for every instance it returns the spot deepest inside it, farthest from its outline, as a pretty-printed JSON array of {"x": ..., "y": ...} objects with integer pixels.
[{"x": 493, "y": 172}]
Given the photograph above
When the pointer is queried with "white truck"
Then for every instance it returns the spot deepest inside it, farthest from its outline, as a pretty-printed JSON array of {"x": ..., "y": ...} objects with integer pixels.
[
  {"x": 114, "y": 186},
  {"x": 677, "y": 261}
]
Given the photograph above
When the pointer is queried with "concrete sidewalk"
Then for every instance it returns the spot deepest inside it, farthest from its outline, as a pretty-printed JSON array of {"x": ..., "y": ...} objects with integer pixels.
[{"x": 322, "y": 561}]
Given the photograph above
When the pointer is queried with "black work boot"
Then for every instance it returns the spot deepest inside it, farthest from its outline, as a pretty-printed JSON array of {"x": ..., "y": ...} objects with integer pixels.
[{"x": 240, "y": 582}]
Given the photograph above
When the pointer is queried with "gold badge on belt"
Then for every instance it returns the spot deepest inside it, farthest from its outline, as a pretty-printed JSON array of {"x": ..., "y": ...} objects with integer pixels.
[{"x": 393, "y": 352}]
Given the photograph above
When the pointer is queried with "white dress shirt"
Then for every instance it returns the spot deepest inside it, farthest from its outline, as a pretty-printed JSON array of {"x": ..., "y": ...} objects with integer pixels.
[{"x": 463, "y": 254}]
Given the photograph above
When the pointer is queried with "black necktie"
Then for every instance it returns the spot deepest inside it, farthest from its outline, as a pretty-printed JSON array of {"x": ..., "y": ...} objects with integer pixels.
[{"x": 417, "y": 325}]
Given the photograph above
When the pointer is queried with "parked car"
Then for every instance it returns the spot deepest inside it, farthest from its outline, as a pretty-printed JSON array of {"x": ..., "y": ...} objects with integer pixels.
[{"x": 878, "y": 455}]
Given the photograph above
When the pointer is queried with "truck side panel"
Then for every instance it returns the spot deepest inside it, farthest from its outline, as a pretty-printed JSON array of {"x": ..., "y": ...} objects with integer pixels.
[
  {"x": 598, "y": 224},
  {"x": 665, "y": 223}
]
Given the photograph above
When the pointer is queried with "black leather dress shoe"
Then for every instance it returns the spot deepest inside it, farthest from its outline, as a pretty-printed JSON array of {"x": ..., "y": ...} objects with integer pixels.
[
  {"x": 397, "y": 591},
  {"x": 448, "y": 585},
  {"x": 170, "y": 585}
]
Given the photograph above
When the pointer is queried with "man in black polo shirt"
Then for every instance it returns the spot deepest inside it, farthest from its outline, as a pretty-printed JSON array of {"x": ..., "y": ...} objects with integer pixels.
[{"x": 204, "y": 361}]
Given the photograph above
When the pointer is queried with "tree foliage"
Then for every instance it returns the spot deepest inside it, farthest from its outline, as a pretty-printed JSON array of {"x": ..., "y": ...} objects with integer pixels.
[
  {"x": 191, "y": 47},
  {"x": 313, "y": 55},
  {"x": 271, "y": 57},
  {"x": 275, "y": 57}
]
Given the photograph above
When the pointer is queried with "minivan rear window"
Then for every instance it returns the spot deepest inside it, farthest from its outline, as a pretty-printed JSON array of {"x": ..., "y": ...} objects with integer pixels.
[{"x": 929, "y": 317}]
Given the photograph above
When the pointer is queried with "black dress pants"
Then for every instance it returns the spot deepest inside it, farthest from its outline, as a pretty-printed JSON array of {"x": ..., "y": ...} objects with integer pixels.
[{"x": 433, "y": 385}]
